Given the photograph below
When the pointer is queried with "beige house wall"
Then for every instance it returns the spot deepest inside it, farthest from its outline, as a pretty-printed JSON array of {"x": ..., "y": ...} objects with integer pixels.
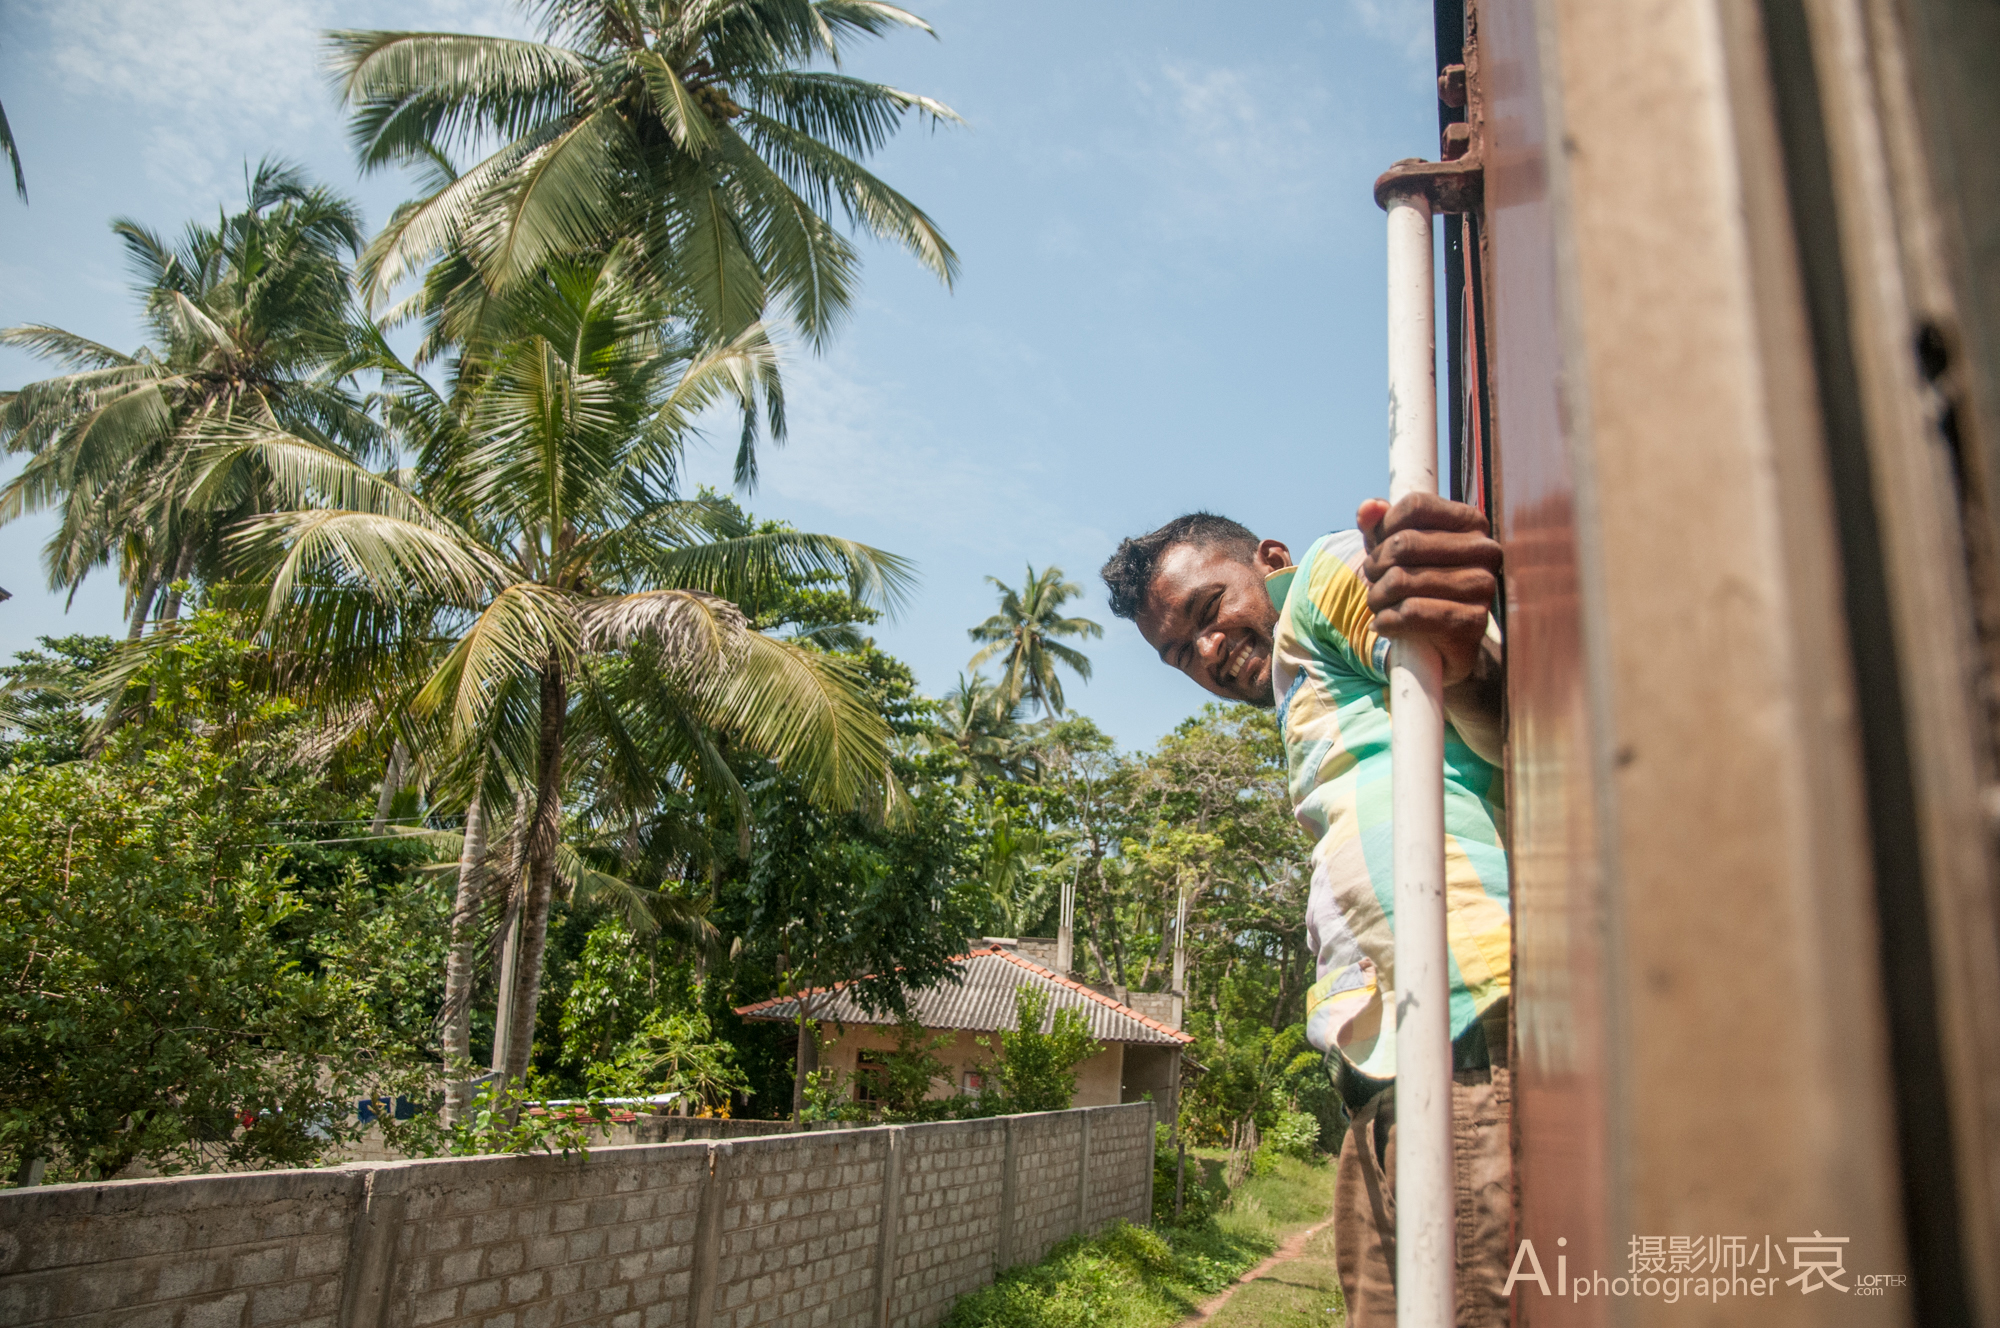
[{"x": 1099, "y": 1080}]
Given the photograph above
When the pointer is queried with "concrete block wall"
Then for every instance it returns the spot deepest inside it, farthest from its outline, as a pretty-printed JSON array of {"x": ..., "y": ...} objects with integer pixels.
[
  {"x": 528, "y": 1242},
  {"x": 673, "y": 1129},
  {"x": 950, "y": 1202},
  {"x": 1121, "y": 1168},
  {"x": 266, "y": 1249},
  {"x": 797, "y": 1229},
  {"x": 1050, "y": 1147},
  {"x": 790, "y": 1229}
]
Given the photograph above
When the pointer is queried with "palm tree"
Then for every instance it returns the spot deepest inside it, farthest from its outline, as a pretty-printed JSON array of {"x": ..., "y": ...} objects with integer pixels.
[
  {"x": 691, "y": 129},
  {"x": 490, "y": 873},
  {"x": 13, "y": 155},
  {"x": 542, "y": 532},
  {"x": 1024, "y": 631},
  {"x": 979, "y": 722},
  {"x": 250, "y": 324}
]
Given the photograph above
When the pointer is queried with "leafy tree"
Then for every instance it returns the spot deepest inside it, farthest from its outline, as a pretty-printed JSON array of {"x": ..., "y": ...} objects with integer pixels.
[
  {"x": 1036, "y": 1068},
  {"x": 826, "y": 897},
  {"x": 696, "y": 132},
  {"x": 41, "y": 699},
  {"x": 194, "y": 980},
  {"x": 833, "y": 898},
  {"x": 250, "y": 323},
  {"x": 1024, "y": 635},
  {"x": 675, "y": 1053},
  {"x": 1261, "y": 1075},
  {"x": 1011, "y": 850},
  {"x": 909, "y": 1072},
  {"x": 1203, "y": 816},
  {"x": 607, "y": 997},
  {"x": 1082, "y": 800},
  {"x": 1212, "y": 821}
]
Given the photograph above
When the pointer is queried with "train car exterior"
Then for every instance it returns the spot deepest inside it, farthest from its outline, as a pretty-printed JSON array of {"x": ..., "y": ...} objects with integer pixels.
[{"x": 1724, "y": 377}]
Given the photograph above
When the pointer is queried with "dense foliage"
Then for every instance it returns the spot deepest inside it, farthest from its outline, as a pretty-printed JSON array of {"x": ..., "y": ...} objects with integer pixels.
[
  {"x": 450, "y": 731},
  {"x": 191, "y": 978},
  {"x": 214, "y": 962}
]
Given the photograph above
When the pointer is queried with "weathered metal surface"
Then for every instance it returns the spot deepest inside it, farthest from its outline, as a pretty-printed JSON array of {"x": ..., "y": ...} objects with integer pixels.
[
  {"x": 1841, "y": 74},
  {"x": 1451, "y": 186},
  {"x": 1451, "y": 85},
  {"x": 1560, "y": 1056},
  {"x": 1699, "y": 1033}
]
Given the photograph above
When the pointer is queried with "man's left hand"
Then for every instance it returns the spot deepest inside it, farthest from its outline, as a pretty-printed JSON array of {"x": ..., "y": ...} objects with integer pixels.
[{"x": 1433, "y": 570}]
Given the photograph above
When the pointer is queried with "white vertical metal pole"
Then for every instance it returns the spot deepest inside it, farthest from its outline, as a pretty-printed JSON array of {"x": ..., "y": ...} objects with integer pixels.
[
  {"x": 1425, "y": 1209},
  {"x": 1180, "y": 958},
  {"x": 1066, "y": 928}
]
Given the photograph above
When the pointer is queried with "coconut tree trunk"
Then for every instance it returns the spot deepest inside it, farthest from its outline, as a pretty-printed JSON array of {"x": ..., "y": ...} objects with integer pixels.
[
  {"x": 458, "y": 964},
  {"x": 807, "y": 1058},
  {"x": 392, "y": 784},
  {"x": 504, "y": 963},
  {"x": 510, "y": 954},
  {"x": 183, "y": 567},
  {"x": 541, "y": 875},
  {"x": 142, "y": 606}
]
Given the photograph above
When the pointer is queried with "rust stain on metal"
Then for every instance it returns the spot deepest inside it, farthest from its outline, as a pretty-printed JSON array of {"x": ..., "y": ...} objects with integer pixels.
[
  {"x": 1451, "y": 85},
  {"x": 1451, "y": 186}
]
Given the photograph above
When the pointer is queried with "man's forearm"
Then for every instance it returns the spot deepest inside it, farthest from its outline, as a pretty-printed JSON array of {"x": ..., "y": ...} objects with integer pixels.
[{"x": 1475, "y": 706}]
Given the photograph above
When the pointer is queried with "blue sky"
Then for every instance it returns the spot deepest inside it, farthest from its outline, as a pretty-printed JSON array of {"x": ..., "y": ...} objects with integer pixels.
[{"x": 1172, "y": 294}]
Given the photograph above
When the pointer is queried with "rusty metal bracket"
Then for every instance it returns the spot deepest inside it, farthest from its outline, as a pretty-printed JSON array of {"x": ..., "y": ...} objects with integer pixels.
[
  {"x": 1451, "y": 186},
  {"x": 1451, "y": 85}
]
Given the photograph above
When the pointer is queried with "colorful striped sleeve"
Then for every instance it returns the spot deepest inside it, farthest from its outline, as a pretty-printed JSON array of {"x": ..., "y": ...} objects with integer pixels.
[{"x": 1335, "y": 608}]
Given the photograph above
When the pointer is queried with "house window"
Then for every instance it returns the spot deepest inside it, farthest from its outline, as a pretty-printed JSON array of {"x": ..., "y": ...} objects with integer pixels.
[
  {"x": 868, "y": 1081},
  {"x": 973, "y": 1082}
]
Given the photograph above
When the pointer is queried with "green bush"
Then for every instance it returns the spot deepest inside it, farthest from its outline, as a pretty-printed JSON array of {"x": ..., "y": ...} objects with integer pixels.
[
  {"x": 1125, "y": 1277},
  {"x": 1296, "y": 1134},
  {"x": 1036, "y": 1070},
  {"x": 176, "y": 992},
  {"x": 1202, "y": 1191},
  {"x": 1144, "y": 1249}
]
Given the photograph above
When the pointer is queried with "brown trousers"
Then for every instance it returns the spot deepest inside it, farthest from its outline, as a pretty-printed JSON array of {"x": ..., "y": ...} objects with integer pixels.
[{"x": 1364, "y": 1204}]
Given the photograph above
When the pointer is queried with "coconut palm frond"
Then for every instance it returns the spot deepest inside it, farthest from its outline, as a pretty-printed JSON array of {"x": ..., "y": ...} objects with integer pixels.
[{"x": 808, "y": 712}]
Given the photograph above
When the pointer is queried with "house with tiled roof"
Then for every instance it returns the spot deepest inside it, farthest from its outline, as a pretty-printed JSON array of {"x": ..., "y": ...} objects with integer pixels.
[{"x": 1138, "y": 1033}]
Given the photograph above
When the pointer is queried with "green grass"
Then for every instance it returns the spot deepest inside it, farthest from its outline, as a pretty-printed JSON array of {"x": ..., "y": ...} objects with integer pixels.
[
  {"x": 1301, "y": 1293},
  {"x": 1132, "y": 1277}
]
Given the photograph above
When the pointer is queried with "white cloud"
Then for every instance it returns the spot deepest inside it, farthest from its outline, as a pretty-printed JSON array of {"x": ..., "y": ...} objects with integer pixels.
[
  {"x": 856, "y": 452},
  {"x": 1227, "y": 119},
  {"x": 212, "y": 83},
  {"x": 1403, "y": 24},
  {"x": 1224, "y": 142},
  {"x": 204, "y": 76}
]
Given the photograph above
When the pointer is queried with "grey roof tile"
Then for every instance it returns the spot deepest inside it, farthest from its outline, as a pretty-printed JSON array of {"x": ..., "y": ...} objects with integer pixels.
[{"x": 984, "y": 1002}]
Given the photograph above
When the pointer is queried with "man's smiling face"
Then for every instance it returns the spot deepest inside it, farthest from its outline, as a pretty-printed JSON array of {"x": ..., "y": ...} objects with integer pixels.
[{"x": 1209, "y": 616}]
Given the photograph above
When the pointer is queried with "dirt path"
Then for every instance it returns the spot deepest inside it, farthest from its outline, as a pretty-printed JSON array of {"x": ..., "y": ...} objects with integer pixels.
[{"x": 1290, "y": 1250}]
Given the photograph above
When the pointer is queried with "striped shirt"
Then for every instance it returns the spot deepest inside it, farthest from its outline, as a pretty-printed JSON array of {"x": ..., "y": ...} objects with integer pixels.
[{"x": 1330, "y": 673}]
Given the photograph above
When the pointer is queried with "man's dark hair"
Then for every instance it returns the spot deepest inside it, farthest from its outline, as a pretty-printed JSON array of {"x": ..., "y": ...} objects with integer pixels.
[{"x": 1129, "y": 573}]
